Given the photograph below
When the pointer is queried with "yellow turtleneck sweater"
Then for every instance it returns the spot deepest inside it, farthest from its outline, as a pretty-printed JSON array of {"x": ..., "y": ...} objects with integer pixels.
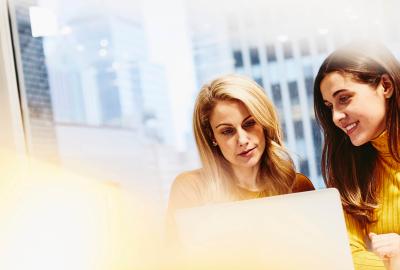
[{"x": 387, "y": 214}]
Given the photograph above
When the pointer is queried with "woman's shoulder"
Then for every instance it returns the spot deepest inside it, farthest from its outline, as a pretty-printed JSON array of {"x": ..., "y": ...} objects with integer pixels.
[
  {"x": 186, "y": 190},
  {"x": 302, "y": 183},
  {"x": 187, "y": 179}
]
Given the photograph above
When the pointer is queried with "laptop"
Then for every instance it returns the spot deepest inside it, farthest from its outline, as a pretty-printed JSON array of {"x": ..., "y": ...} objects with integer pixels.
[{"x": 293, "y": 231}]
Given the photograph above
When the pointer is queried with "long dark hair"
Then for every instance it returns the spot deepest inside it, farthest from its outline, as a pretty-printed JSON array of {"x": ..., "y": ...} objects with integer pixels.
[{"x": 348, "y": 168}]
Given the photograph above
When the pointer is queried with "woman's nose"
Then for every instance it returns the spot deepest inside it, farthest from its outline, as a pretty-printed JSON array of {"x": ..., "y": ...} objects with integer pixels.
[
  {"x": 338, "y": 116},
  {"x": 243, "y": 138}
]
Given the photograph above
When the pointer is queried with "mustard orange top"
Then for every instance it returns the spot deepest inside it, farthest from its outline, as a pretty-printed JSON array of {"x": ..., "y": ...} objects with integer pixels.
[{"x": 387, "y": 214}]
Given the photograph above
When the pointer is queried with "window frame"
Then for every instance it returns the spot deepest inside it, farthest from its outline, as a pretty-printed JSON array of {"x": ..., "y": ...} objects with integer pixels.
[{"x": 12, "y": 130}]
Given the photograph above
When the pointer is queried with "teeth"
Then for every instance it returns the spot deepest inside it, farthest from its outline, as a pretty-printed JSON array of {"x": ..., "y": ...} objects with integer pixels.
[{"x": 350, "y": 126}]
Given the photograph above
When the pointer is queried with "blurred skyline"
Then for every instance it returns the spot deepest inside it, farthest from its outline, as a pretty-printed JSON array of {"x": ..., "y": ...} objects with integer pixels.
[{"x": 110, "y": 85}]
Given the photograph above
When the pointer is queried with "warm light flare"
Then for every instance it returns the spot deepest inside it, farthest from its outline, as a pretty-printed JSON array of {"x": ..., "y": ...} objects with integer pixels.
[{"x": 53, "y": 219}]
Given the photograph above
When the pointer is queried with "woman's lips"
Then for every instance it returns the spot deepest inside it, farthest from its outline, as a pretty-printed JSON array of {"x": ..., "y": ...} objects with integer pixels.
[
  {"x": 247, "y": 153},
  {"x": 350, "y": 128}
]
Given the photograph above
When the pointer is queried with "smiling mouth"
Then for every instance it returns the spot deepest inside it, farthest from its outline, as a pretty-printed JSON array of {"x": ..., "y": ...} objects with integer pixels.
[
  {"x": 245, "y": 153},
  {"x": 350, "y": 128}
]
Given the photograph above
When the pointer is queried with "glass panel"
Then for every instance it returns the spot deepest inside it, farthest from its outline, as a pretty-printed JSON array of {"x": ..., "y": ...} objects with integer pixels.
[
  {"x": 109, "y": 86},
  {"x": 271, "y": 54},
  {"x": 287, "y": 50},
  {"x": 276, "y": 94},
  {"x": 294, "y": 93},
  {"x": 317, "y": 138},
  {"x": 259, "y": 81},
  {"x": 304, "y": 167},
  {"x": 254, "y": 57},
  {"x": 237, "y": 55},
  {"x": 298, "y": 129}
]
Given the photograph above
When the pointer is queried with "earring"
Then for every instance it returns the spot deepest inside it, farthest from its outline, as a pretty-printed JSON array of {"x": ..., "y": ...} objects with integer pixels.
[{"x": 214, "y": 143}]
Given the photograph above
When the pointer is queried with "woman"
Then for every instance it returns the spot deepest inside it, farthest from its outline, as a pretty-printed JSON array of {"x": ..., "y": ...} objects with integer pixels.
[
  {"x": 357, "y": 103},
  {"x": 239, "y": 141}
]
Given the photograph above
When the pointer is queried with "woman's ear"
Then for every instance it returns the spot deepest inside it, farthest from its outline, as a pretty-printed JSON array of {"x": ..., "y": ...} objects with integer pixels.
[{"x": 387, "y": 85}]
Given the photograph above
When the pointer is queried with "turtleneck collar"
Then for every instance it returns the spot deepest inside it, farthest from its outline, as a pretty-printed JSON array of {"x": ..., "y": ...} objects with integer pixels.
[{"x": 380, "y": 143}]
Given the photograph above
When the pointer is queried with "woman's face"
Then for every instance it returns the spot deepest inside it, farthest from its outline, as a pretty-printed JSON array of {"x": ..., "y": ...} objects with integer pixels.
[
  {"x": 238, "y": 135},
  {"x": 358, "y": 109}
]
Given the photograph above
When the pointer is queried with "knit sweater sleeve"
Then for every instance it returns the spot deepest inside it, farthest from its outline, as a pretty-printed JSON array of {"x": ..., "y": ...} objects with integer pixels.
[
  {"x": 186, "y": 192},
  {"x": 363, "y": 258}
]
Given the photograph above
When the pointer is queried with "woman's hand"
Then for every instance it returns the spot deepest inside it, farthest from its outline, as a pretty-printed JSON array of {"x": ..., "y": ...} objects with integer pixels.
[{"x": 387, "y": 247}]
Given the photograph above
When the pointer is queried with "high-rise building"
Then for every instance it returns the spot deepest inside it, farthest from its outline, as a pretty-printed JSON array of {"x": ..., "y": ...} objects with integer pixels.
[
  {"x": 34, "y": 87},
  {"x": 96, "y": 59}
]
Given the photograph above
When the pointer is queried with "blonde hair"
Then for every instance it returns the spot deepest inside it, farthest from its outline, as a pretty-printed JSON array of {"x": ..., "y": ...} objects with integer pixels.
[{"x": 276, "y": 174}]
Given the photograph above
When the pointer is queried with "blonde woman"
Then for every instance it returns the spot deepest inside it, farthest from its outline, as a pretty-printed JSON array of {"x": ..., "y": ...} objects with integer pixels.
[{"x": 238, "y": 137}]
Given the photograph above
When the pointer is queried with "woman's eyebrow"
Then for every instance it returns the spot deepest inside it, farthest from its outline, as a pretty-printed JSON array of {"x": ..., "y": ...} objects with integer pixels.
[
  {"x": 222, "y": 124},
  {"x": 244, "y": 120},
  {"x": 226, "y": 124},
  {"x": 338, "y": 92}
]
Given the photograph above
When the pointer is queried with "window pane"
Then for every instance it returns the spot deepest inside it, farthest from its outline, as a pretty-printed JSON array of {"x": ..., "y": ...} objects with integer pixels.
[
  {"x": 294, "y": 93},
  {"x": 259, "y": 81},
  {"x": 271, "y": 54},
  {"x": 298, "y": 129},
  {"x": 237, "y": 55},
  {"x": 277, "y": 95},
  {"x": 254, "y": 57},
  {"x": 304, "y": 167},
  {"x": 317, "y": 137},
  {"x": 109, "y": 86},
  {"x": 287, "y": 50}
]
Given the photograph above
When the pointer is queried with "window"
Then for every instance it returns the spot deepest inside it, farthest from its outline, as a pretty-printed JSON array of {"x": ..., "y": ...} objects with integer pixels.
[
  {"x": 110, "y": 79},
  {"x": 304, "y": 167},
  {"x": 90, "y": 81},
  {"x": 298, "y": 129},
  {"x": 316, "y": 132},
  {"x": 259, "y": 81},
  {"x": 276, "y": 94},
  {"x": 317, "y": 138},
  {"x": 237, "y": 56},
  {"x": 271, "y": 54},
  {"x": 287, "y": 50},
  {"x": 254, "y": 57},
  {"x": 308, "y": 71},
  {"x": 294, "y": 93},
  {"x": 284, "y": 131},
  {"x": 309, "y": 82},
  {"x": 108, "y": 96},
  {"x": 37, "y": 89}
]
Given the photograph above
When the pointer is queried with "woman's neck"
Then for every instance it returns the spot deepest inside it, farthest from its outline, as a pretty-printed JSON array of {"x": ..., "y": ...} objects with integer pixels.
[{"x": 247, "y": 177}]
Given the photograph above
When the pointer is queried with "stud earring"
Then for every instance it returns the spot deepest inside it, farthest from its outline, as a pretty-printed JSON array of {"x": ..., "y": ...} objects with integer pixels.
[{"x": 214, "y": 143}]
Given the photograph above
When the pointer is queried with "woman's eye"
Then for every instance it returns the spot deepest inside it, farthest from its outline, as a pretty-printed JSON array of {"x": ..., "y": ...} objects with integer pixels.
[
  {"x": 227, "y": 131},
  {"x": 249, "y": 123},
  {"x": 343, "y": 99}
]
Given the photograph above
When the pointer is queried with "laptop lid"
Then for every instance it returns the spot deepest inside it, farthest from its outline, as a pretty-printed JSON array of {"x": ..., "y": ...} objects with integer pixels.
[{"x": 294, "y": 231}]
